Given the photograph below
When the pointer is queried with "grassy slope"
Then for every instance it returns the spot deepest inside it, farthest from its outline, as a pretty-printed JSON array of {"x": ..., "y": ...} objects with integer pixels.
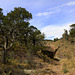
[{"x": 66, "y": 54}]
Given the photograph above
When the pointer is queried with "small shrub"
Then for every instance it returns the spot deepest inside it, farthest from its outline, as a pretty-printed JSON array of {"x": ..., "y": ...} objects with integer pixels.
[
  {"x": 9, "y": 73},
  {"x": 65, "y": 70},
  {"x": 55, "y": 39}
]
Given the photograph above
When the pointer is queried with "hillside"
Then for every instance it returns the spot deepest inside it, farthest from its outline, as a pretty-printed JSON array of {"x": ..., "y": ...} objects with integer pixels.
[
  {"x": 66, "y": 54},
  {"x": 24, "y": 50},
  {"x": 41, "y": 64}
]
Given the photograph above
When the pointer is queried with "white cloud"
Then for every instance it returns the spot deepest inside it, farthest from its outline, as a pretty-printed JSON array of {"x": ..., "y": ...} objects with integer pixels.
[
  {"x": 70, "y": 3},
  {"x": 45, "y": 13},
  {"x": 55, "y": 30},
  {"x": 56, "y": 8},
  {"x": 62, "y": 5}
]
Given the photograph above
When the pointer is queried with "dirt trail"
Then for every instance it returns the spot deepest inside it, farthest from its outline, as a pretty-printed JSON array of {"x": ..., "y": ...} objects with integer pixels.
[
  {"x": 54, "y": 67},
  {"x": 49, "y": 69}
]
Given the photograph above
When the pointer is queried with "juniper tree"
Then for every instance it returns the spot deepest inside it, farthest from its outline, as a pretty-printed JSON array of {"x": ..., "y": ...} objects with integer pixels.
[
  {"x": 72, "y": 30},
  {"x": 11, "y": 26}
]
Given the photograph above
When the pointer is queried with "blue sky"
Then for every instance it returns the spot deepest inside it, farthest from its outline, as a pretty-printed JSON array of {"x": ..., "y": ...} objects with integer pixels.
[{"x": 50, "y": 16}]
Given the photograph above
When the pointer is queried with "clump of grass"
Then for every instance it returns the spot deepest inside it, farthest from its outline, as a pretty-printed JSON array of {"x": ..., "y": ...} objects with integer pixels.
[
  {"x": 68, "y": 65},
  {"x": 9, "y": 73},
  {"x": 65, "y": 70}
]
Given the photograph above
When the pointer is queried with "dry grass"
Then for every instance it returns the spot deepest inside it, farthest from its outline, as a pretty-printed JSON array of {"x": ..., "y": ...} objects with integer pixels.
[
  {"x": 66, "y": 54},
  {"x": 69, "y": 64}
]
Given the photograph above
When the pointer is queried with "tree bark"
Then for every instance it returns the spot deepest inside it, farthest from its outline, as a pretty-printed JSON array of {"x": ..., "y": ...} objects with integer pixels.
[
  {"x": 4, "y": 60},
  {"x": 5, "y": 50}
]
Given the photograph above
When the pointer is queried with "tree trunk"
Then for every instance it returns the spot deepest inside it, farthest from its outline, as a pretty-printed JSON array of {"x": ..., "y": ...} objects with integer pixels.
[
  {"x": 5, "y": 51},
  {"x": 34, "y": 42},
  {"x": 4, "y": 60}
]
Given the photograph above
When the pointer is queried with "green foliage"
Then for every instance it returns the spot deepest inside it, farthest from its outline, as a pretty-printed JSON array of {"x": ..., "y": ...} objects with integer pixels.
[
  {"x": 9, "y": 73},
  {"x": 65, "y": 70},
  {"x": 14, "y": 27},
  {"x": 35, "y": 35},
  {"x": 1, "y": 16},
  {"x": 11, "y": 26},
  {"x": 65, "y": 35},
  {"x": 72, "y": 30},
  {"x": 55, "y": 39}
]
